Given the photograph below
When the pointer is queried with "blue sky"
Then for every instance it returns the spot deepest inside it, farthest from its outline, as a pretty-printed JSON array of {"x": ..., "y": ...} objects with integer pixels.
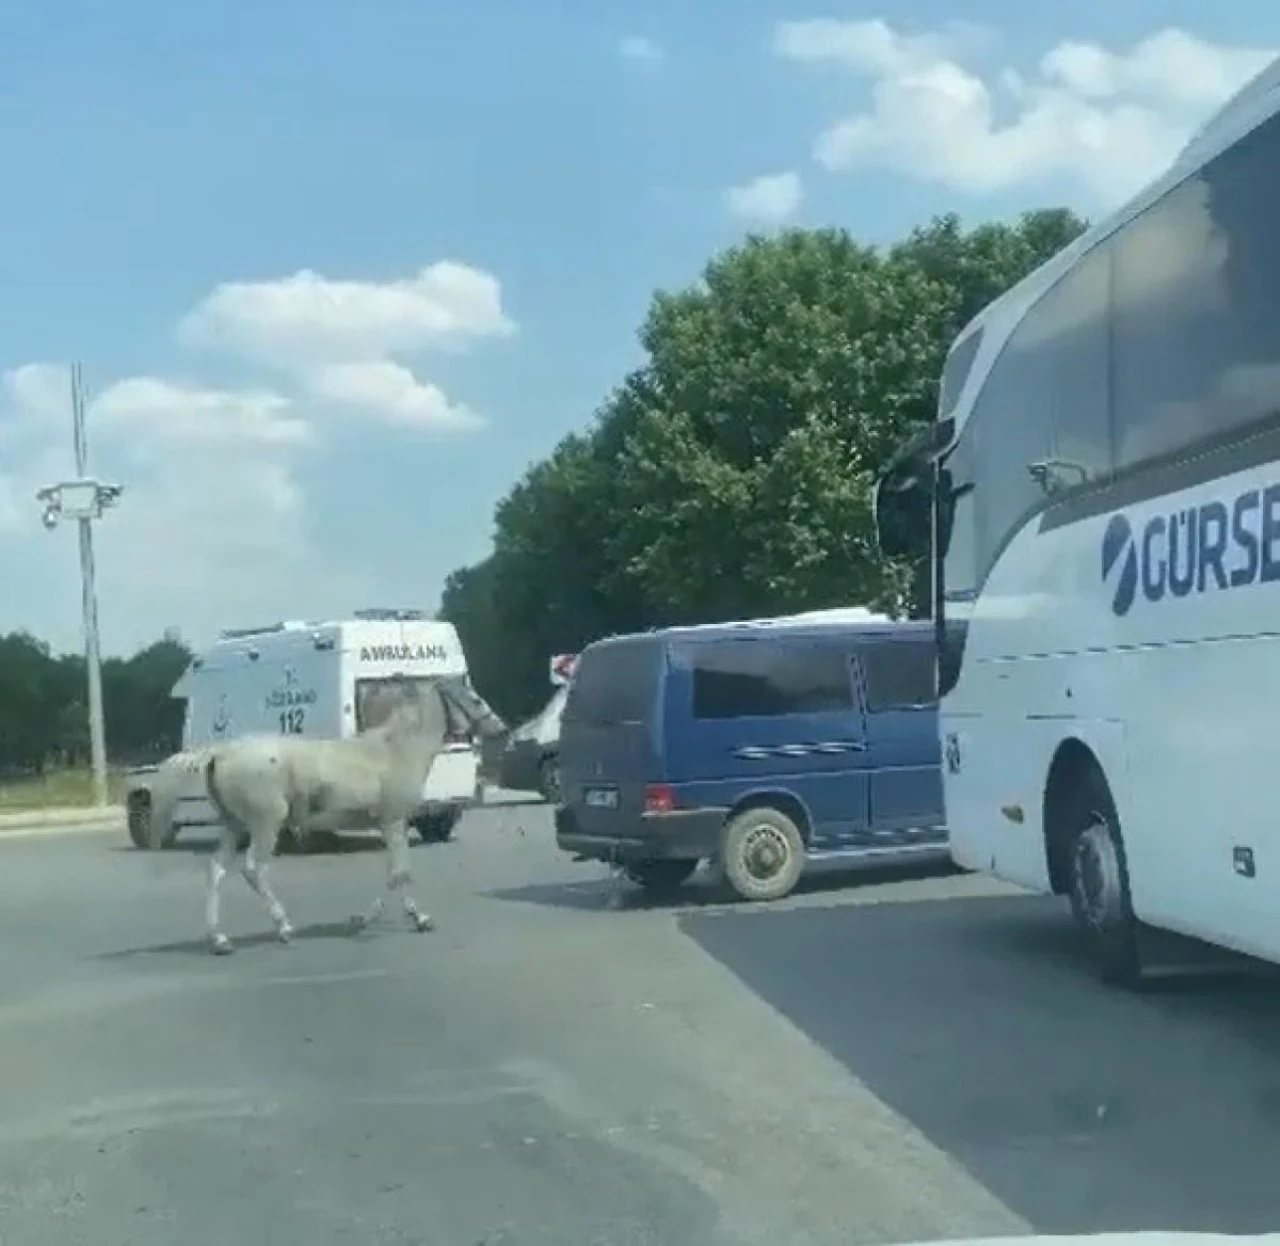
[{"x": 158, "y": 152}]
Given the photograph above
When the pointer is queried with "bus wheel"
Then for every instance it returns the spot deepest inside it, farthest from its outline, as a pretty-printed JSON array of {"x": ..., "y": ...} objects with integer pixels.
[
  {"x": 1099, "y": 885},
  {"x": 762, "y": 854}
]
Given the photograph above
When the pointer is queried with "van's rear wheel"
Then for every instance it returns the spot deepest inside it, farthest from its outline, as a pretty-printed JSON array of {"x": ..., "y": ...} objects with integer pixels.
[
  {"x": 659, "y": 876},
  {"x": 762, "y": 854},
  {"x": 1099, "y": 884}
]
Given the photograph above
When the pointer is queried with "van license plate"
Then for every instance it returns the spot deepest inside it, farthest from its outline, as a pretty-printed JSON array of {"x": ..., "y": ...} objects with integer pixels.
[{"x": 602, "y": 797}]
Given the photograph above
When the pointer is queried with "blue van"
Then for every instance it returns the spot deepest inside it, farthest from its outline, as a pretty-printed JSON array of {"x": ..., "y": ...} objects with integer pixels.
[{"x": 757, "y": 746}]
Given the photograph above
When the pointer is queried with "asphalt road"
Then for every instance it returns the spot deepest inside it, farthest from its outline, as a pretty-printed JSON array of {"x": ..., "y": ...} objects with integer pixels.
[{"x": 899, "y": 1058}]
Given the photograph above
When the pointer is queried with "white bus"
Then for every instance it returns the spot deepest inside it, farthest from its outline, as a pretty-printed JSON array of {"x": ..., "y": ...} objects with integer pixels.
[{"x": 1104, "y": 476}]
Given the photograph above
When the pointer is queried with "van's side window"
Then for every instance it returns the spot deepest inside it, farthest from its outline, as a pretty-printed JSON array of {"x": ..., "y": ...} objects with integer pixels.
[
  {"x": 763, "y": 679},
  {"x": 899, "y": 674}
]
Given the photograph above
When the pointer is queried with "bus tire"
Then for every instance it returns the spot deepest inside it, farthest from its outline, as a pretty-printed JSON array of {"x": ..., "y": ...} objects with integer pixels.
[
  {"x": 762, "y": 854},
  {"x": 1098, "y": 887}
]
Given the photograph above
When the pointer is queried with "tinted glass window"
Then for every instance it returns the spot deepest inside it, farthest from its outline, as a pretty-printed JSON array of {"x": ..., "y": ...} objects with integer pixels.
[
  {"x": 959, "y": 542},
  {"x": 1196, "y": 315},
  {"x": 1009, "y": 429},
  {"x": 1046, "y": 401},
  {"x": 958, "y": 366},
  {"x": 764, "y": 679},
  {"x": 899, "y": 674},
  {"x": 377, "y": 699},
  {"x": 615, "y": 682},
  {"x": 1072, "y": 325}
]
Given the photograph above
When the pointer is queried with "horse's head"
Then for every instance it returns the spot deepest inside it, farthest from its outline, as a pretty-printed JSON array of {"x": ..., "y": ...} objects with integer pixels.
[
  {"x": 469, "y": 708},
  {"x": 470, "y": 711}
]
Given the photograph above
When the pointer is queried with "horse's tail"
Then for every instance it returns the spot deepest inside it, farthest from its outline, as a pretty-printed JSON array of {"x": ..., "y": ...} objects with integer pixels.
[{"x": 167, "y": 787}]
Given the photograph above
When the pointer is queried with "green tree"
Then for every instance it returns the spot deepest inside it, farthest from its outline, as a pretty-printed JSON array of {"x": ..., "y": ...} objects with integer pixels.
[
  {"x": 143, "y": 719},
  {"x": 731, "y": 474},
  {"x": 43, "y": 720}
]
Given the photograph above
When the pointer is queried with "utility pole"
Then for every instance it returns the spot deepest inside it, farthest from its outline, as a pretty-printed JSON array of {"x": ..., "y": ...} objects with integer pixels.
[{"x": 84, "y": 499}]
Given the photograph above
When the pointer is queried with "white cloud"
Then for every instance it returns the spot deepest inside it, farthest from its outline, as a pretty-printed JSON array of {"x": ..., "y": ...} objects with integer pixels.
[
  {"x": 215, "y": 527},
  {"x": 297, "y": 320},
  {"x": 212, "y": 525},
  {"x": 39, "y": 391},
  {"x": 640, "y": 50},
  {"x": 1104, "y": 120},
  {"x": 767, "y": 200},
  {"x": 340, "y": 339},
  {"x": 392, "y": 390},
  {"x": 148, "y": 407},
  {"x": 870, "y": 47}
]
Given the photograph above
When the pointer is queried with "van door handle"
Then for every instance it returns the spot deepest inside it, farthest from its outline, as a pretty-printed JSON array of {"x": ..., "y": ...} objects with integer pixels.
[{"x": 759, "y": 752}]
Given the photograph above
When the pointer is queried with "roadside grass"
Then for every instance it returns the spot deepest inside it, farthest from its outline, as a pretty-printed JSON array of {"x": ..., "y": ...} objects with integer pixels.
[{"x": 58, "y": 789}]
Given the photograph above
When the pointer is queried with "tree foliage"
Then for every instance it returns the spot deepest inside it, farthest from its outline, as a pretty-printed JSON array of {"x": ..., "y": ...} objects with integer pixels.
[
  {"x": 44, "y": 722},
  {"x": 731, "y": 474}
]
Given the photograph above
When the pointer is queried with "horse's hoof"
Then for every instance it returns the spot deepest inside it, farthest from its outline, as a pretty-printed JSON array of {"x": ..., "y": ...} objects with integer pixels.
[
  {"x": 220, "y": 945},
  {"x": 357, "y": 924},
  {"x": 422, "y": 923},
  {"x": 286, "y": 933}
]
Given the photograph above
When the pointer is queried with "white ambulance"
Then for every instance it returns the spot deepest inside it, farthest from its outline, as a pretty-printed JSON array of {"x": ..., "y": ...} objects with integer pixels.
[{"x": 328, "y": 680}]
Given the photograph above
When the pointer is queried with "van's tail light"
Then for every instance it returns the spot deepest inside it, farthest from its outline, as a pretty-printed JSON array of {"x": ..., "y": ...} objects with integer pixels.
[{"x": 659, "y": 798}]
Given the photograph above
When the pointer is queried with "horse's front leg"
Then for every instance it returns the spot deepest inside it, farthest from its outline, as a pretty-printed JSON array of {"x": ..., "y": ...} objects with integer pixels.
[{"x": 399, "y": 876}]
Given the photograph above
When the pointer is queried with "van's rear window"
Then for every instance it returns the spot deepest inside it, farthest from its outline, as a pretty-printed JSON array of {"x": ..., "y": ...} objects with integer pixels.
[{"x": 615, "y": 683}]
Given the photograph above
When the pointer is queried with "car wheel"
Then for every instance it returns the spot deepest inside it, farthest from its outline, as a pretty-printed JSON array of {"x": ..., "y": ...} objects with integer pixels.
[
  {"x": 437, "y": 828},
  {"x": 289, "y": 843},
  {"x": 762, "y": 854},
  {"x": 1099, "y": 885},
  {"x": 549, "y": 778},
  {"x": 138, "y": 821},
  {"x": 658, "y": 876}
]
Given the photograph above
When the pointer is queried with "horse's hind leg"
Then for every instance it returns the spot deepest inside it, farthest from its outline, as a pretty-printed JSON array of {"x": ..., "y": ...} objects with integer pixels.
[{"x": 223, "y": 859}]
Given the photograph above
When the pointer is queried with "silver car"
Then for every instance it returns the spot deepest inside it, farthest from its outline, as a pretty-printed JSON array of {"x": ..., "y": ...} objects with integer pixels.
[{"x": 530, "y": 761}]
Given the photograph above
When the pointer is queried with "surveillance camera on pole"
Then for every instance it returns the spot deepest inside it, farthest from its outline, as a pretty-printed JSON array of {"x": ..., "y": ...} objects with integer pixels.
[{"x": 83, "y": 500}]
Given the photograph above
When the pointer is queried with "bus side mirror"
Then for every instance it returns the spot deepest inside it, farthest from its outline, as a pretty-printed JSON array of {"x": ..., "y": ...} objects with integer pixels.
[{"x": 903, "y": 516}]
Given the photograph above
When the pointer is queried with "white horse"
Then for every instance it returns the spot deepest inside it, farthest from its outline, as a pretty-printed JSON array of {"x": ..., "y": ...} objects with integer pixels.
[{"x": 260, "y": 784}]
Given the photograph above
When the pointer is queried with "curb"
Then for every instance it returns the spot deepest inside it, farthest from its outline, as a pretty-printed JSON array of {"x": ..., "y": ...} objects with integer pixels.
[{"x": 48, "y": 821}]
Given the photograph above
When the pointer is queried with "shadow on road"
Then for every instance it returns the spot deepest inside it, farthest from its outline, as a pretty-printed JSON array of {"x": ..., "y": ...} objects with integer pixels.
[
  {"x": 979, "y": 1021},
  {"x": 263, "y": 938},
  {"x": 599, "y": 891},
  {"x": 319, "y": 843}
]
